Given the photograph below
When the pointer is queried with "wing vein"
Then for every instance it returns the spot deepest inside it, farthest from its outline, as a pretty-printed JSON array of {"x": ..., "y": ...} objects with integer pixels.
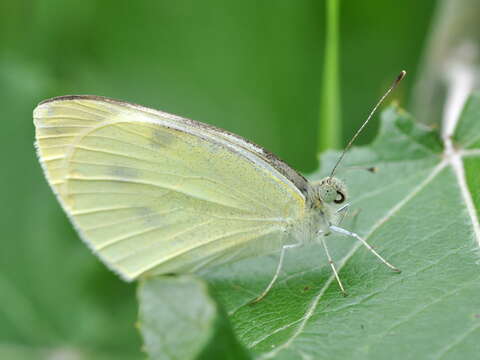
[
  {"x": 105, "y": 209},
  {"x": 130, "y": 235},
  {"x": 152, "y": 214},
  {"x": 230, "y": 190},
  {"x": 156, "y": 185},
  {"x": 197, "y": 246}
]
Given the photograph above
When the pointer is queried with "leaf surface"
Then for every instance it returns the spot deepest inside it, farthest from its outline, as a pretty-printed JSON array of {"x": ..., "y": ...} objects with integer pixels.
[
  {"x": 420, "y": 211},
  {"x": 179, "y": 319}
]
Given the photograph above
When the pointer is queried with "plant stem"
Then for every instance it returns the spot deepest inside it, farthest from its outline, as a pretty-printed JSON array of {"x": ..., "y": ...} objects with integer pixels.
[{"x": 329, "y": 126}]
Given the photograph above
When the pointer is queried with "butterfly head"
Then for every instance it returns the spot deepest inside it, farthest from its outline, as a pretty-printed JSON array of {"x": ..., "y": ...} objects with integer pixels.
[{"x": 331, "y": 191}]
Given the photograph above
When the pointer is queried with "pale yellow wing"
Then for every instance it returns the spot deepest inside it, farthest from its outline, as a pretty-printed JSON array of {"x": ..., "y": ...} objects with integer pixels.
[{"x": 150, "y": 192}]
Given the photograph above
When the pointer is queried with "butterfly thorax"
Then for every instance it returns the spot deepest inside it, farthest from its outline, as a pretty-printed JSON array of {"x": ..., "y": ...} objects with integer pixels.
[{"x": 324, "y": 199}]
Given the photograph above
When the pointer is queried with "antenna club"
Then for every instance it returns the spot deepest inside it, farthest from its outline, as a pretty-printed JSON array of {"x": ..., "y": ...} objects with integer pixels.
[{"x": 400, "y": 77}]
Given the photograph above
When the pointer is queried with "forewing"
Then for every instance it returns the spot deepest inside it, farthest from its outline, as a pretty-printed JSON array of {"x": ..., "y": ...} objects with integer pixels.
[{"x": 153, "y": 193}]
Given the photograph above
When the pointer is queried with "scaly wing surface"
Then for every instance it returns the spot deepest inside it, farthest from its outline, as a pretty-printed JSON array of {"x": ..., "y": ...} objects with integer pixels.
[{"x": 152, "y": 193}]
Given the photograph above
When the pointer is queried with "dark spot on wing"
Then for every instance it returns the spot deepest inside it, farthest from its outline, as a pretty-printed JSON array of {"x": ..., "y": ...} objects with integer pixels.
[
  {"x": 161, "y": 138},
  {"x": 150, "y": 217},
  {"x": 123, "y": 172}
]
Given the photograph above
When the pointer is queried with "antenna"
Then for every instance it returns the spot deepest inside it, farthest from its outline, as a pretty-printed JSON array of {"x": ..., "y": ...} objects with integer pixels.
[{"x": 354, "y": 137}]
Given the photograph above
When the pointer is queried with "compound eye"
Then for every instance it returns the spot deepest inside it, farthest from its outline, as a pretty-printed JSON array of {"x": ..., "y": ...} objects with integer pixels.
[{"x": 340, "y": 198}]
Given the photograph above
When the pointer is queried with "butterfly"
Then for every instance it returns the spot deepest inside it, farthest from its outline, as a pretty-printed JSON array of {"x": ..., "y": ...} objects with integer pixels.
[{"x": 154, "y": 193}]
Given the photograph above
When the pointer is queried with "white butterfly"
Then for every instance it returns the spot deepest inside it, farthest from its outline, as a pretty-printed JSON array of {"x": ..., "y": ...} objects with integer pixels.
[{"x": 153, "y": 193}]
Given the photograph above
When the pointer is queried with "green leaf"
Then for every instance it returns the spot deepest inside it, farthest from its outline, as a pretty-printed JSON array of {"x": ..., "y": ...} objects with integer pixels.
[
  {"x": 467, "y": 134},
  {"x": 420, "y": 211},
  {"x": 179, "y": 319}
]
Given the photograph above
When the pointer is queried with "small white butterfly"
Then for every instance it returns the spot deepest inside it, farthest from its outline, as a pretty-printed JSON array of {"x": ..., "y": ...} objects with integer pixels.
[{"x": 154, "y": 193}]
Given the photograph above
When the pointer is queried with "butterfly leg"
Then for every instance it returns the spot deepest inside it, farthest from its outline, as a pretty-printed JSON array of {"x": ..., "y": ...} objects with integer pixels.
[
  {"x": 277, "y": 272},
  {"x": 343, "y": 211},
  {"x": 332, "y": 265},
  {"x": 352, "y": 234}
]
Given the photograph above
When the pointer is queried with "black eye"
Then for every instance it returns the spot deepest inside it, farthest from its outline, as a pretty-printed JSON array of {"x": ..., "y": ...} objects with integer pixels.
[{"x": 340, "y": 198}]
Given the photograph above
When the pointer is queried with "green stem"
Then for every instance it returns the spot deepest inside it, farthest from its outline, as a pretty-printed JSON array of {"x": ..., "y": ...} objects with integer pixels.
[{"x": 329, "y": 129}]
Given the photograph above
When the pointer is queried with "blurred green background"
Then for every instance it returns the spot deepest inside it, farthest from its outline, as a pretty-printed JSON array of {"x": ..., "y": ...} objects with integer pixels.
[{"x": 252, "y": 67}]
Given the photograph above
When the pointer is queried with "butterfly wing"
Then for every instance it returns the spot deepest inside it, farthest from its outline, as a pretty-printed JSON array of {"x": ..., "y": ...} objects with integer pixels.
[{"x": 152, "y": 193}]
